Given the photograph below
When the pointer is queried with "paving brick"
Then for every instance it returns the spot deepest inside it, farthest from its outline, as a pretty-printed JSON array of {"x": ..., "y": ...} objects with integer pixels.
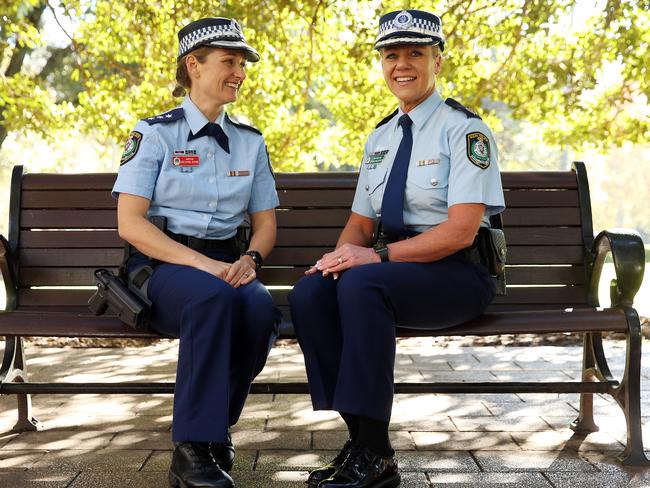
[
  {"x": 19, "y": 460},
  {"x": 254, "y": 439},
  {"x": 488, "y": 480},
  {"x": 463, "y": 441},
  {"x": 334, "y": 440},
  {"x": 305, "y": 419},
  {"x": 452, "y": 461},
  {"x": 283, "y": 460},
  {"x": 121, "y": 479},
  {"x": 529, "y": 409},
  {"x": 512, "y": 461},
  {"x": 60, "y": 439},
  {"x": 566, "y": 439},
  {"x": 409, "y": 421},
  {"x": 267, "y": 479},
  {"x": 37, "y": 479},
  {"x": 598, "y": 480},
  {"x": 141, "y": 440},
  {"x": 500, "y": 424},
  {"x": 99, "y": 460}
]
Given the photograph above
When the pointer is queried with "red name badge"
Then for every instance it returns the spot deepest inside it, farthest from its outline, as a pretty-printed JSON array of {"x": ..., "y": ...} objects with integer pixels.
[{"x": 185, "y": 160}]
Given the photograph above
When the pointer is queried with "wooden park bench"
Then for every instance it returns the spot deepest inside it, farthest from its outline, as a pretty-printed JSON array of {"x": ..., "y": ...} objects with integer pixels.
[{"x": 62, "y": 227}]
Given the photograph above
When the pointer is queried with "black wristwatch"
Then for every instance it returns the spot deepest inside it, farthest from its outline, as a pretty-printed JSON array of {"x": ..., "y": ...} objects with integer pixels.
[
  {"x": 383, "y": 254},
  {"x": 257, "y": 258}
]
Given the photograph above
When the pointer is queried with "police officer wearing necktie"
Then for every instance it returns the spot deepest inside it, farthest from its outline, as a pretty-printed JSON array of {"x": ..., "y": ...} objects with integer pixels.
[
  {"x": 429, "y": 175},
  {"x": 203, "y": 171}
]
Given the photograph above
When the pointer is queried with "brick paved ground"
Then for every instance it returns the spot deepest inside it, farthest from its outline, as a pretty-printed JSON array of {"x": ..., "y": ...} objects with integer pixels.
[{"x": 442, "y": 440}]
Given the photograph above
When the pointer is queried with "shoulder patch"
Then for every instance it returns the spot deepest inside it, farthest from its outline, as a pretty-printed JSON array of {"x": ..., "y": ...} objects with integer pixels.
[
  {"x": 131, "y": 147},
  {"x": 170, "y": 116},
  {"x": 386, "y": 119},
  {"x": 478, "y": 149},
  {"x": 237, "y": 123},
  {"x": 459, "y": 106}
]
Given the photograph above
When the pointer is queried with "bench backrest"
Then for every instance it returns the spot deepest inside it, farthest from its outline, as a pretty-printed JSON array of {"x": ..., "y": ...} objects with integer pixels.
[{"x": 64, "y": 226}]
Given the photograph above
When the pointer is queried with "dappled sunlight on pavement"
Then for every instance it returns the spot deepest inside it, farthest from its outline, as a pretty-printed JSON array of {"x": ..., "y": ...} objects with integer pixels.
[{"x": 454, "y": 440}]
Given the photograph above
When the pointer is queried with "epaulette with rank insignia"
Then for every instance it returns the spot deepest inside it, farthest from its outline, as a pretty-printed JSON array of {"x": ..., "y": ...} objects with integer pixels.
[
  {"x": 386, "y": 119},
  {"x": 243, "y": 126},
  {"x": 170, "y": 116},
  {"x": 459, "y": 106}
]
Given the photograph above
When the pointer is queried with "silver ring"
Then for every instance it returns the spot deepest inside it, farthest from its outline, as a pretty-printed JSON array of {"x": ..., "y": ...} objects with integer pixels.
[{"x": 340, "y": 260}]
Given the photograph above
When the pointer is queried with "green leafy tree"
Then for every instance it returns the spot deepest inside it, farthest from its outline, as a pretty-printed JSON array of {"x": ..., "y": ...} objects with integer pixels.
[{"x": 318, "y": 92}]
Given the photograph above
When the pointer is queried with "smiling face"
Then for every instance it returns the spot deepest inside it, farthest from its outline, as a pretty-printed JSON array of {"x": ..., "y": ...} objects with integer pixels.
[
  {"x": 410, "y": 72},
  {"x": 218, "y": 78}
]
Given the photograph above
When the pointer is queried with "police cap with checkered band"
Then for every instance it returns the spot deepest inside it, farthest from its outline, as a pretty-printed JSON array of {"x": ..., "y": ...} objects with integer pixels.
[
  {"x": 410, "y": 27},
  {"x": 216, "y": 32}
]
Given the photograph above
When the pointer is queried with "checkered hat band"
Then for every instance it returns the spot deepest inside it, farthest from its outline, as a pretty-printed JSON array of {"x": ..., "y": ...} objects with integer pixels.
[
  {"x": 210, "y": 33},
  {"x": 421, "y": 26},
  {"x": 405, "y": 40}
]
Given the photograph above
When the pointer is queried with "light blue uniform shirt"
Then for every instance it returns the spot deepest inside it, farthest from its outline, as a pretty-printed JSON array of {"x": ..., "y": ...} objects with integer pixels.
[
  {"x": 442, "y": 171},
  {"x": 208, "y": 200}
]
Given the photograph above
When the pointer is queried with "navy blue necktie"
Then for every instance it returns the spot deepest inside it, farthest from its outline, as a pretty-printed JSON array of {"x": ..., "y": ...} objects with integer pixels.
[
  {"x": 392, "y": 205},
  {"x": 213, "y": 130}
]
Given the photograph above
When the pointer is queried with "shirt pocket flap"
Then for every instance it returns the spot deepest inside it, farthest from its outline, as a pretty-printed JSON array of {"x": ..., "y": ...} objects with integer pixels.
[
  {"x": 375, "y": 179},
  {"x": 430, "y": 177}
]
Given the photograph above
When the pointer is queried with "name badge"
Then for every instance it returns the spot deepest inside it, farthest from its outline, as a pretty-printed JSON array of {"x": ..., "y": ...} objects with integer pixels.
[
  {"x": 238, "y": 173},
  {"x": 186, "y": 158}
]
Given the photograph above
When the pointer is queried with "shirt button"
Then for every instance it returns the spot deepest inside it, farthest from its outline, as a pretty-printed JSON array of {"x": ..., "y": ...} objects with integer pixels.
[
  {"x": 434, "y": 182},
  {"x": 210, "y": 155},
  {"x": 367, "y": 187},
  {"x": 211, "y": 204},
  {"x": 211, "y": 180},
  {"x": 206, "y": 217}
]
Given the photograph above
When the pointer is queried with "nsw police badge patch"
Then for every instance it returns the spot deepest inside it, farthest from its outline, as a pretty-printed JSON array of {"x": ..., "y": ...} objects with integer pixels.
[
  {"x": 478, "y": 149},
  {"x": 131, "y": 147}
]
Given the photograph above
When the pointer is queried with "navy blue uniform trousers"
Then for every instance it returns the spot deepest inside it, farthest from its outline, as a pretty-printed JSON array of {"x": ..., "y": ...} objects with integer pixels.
[
  {"x": 225, "y": 337},
  {"x": 346, "y": 327}
]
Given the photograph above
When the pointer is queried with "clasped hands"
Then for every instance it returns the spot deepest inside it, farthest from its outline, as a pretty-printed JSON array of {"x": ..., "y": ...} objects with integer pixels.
[
  {"x": 239, "y": 273},
  {"x": 345, "y": 257}
]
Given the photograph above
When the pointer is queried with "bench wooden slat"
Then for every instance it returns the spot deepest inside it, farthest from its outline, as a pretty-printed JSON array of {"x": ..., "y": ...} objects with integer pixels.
[
  {"x": 107, "y": 219},
  {"x": 105, "y": 181},
  {"x": 101, "y": 199},
  {"x": 99, "y": 257},
  {"x": 70, "y": 239},
  {"x": 59, "y": 324},
  {"x": 283, "y": 276},
  {"x": 325, "y": 236},
  {"x": 280, "y": 256},
  {"x": 532, "y": 295}
]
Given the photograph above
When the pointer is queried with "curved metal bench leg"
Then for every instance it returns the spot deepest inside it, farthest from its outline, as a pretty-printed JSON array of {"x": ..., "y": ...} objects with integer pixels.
[
  {"x": 14, "y": 369},
  {"x": 628, "y": 394},
  {"x": 585, "y": 424}
]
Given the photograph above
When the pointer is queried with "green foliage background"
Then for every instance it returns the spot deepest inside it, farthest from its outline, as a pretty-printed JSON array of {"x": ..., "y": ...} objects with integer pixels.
[{"x": 317, "y": 91}]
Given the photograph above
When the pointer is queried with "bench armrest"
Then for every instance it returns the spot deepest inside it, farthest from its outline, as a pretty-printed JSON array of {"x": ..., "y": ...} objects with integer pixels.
[
  {"x": 7, "y": 267},
  {"x": 628, "y": 254}
]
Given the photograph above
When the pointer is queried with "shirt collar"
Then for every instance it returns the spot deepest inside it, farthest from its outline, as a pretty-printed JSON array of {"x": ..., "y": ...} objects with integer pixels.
[
  {"x": 195, "y": 118},
  {"x": 421, "y": 113}
]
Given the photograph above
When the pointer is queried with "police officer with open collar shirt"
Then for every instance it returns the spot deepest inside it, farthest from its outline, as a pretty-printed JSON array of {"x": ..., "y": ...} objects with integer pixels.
[
  {"x": 203, "y": 172},
  {"x": 429, "y": 174}
]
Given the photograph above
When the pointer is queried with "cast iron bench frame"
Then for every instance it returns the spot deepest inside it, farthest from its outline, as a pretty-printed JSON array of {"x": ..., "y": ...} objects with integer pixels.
[{"x": 62, "y": 227}]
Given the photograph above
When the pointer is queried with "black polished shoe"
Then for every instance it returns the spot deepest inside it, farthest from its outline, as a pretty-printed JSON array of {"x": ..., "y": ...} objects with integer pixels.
[
  {"x": 324, "y": 472},
  {"x": 194, "y": 467},
  {"x": 363, "y": 469},
  {"x": 223, "y": 453}
]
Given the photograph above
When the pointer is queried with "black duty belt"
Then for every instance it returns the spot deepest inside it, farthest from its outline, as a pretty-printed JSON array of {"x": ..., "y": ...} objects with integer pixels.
[
  {"x": 470, "y": 253},
  {"x": 198, "y": 244}
]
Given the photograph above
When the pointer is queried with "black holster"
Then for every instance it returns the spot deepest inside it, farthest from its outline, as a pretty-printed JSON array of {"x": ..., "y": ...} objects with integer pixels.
[{"x": 125, "y": 295}]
